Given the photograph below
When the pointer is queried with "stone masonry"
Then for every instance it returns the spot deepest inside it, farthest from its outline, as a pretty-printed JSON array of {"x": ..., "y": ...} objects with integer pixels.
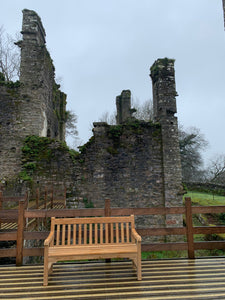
[
  {"x": 34, "y": 105},
  {"x": 164, "y": 104}
]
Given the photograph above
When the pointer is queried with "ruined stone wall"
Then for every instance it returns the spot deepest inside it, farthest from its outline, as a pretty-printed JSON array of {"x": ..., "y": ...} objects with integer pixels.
[
  {"x": 10, "y": 131},
  {"x": 34, "y": 105}
]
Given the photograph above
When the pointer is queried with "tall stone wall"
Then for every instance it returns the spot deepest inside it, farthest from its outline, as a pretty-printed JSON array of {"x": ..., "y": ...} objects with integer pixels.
[
  {"x": 123, "y": 163},
  {"x": 164, "y": 104},
  {"x": 34, "y": 105}
]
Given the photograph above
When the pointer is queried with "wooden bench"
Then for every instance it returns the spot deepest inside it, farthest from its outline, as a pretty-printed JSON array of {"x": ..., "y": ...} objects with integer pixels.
[{"x": 92, "y": 238}]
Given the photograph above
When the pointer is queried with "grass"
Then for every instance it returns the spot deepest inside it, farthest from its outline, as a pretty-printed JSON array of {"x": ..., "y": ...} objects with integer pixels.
[{"x": 205, "y": 199}]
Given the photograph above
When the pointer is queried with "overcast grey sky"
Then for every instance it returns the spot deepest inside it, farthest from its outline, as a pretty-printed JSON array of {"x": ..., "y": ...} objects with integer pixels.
[{"x": 101, "y": 47}]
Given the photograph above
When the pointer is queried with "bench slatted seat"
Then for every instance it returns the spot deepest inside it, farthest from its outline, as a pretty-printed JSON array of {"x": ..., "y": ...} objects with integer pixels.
[{"x": 92, "y": 238}]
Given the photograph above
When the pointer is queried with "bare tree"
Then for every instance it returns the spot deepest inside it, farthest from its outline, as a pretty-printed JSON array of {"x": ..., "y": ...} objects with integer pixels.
[
  {"x": 9, "y": 56},
  {"x": 71, "y": 121},
  {"x": 216, "y": 169},
  {"x": 144, "y": 111},
  {"x": 192, "y": 142},
  {"x": 108, "y": 118}
]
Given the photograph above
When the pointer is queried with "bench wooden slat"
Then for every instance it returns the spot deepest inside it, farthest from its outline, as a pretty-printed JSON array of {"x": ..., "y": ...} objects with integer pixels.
[
  {"x": 106, "y": 233},
  {"x": 85, "y": 234},
  {"x": 122, "y": 232},
  {"x": 69, "y": 235},
  {"x": 111, "y": 233},
  {"x": 80, "y": 234},
  {"x": 117, "y": 233},
  {"x": 90, "y": 234},
  {"x": 57, "y": 234},
  {"x": 127, "y": 233},
  {"x": 93, "y": 220},
  {"x": 96, "y": 234},
  {"x": 63, "y": 234},
  {"x": 74, "y": 234},
  {"x": 94, "y": 249},
  {"x": 101, "y": 233}
]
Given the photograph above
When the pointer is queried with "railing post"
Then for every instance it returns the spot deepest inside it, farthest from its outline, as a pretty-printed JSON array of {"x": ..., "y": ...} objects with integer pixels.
[
  {"x": 1, "y": 205},
  {"x": 20, "y": 234},
  {"x": 107, "y": 208},
  {"x": 189, "y": 226}
]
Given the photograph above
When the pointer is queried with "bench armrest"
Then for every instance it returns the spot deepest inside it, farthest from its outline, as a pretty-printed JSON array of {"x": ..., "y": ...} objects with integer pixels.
[
  {"x": 136, "y": 235},
  {"x": 49, "y": 239}
]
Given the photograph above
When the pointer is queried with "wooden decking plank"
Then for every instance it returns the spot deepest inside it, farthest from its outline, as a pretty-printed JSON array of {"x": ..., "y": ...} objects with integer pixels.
[
  {"x": 116, "y": 285},
  {"x": 184, "y": 279},
  {"x": 116, "y": 291}
]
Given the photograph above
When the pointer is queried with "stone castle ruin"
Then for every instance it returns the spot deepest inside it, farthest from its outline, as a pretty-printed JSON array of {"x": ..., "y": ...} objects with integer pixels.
[
  {"x": 34, "y": 105},
  {"x": 134, "y": 163}
]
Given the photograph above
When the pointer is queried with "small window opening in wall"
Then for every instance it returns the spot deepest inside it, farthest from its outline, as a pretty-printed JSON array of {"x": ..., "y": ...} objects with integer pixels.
[
  {"x": 8, "y": 123},
  {"x": 48, "y": 133},
  {"x": 13, "y": 149}
]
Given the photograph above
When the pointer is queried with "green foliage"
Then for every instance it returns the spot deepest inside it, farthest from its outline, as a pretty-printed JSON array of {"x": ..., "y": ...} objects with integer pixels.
[
  {"x": 2, "y": 77},
  {"x": 160, "y": 68},
  {"x": 135, "y": 126},
  {"x": 83, "y": 148},
  {"x": 9, "y": 84},
  {"x": 115, "y": 131},
  {"x": 23, "y": 175},
  {"x": 87, "y": 203},
  {"x": 36, "y": 148},
  {"x": 73, "y": 154},
  {"x": 147, "y": 255},
  {"x": 13, "y": 85},
  {"x": 112, "y": 150},
  {"x": 30, "y": 166}
]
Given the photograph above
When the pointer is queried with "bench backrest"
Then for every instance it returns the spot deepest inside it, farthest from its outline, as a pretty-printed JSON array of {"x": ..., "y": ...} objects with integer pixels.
[{"x": 92, "y": 231}]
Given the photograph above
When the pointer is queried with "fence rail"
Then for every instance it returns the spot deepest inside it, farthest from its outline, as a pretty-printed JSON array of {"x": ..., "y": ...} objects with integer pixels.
[{"x": 22, "y": 214}]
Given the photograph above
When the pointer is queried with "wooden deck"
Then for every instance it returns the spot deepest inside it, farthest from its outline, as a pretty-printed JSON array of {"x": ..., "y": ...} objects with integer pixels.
[{"x": 162, "y": 279}]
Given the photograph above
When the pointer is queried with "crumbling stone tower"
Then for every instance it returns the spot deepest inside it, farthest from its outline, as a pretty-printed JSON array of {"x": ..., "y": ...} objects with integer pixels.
[
  {"x": 32, "y": 106},
  {"x": 164, "y": 105},
  {"x": 37, "y": 72},
  {"x": 123, "y": 106}
]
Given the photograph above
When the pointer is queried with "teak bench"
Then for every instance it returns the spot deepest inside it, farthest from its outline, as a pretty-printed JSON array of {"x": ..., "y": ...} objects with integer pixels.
[{"x": 92, "y": 238}]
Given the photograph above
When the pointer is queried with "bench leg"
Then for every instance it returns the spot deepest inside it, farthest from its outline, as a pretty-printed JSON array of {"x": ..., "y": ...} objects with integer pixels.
[
  {"x": 134, "y": 264},
  {"x": 139, "y": 275},
  {"x": 45, "y": 282},
  {"x": 50, "y": 268}
]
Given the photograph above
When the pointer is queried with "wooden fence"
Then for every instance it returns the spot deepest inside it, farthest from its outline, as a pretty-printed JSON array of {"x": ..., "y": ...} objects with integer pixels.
[{"x": 22, "y": 214}]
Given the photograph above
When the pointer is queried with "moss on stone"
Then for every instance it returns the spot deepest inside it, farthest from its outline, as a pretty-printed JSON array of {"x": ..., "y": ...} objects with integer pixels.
[
  {"x": 112, "y": 150},
  {"x": 160, "y": 68},
  {"x": 115, "y": 131},
  {"x": 84, "y": 148}
]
